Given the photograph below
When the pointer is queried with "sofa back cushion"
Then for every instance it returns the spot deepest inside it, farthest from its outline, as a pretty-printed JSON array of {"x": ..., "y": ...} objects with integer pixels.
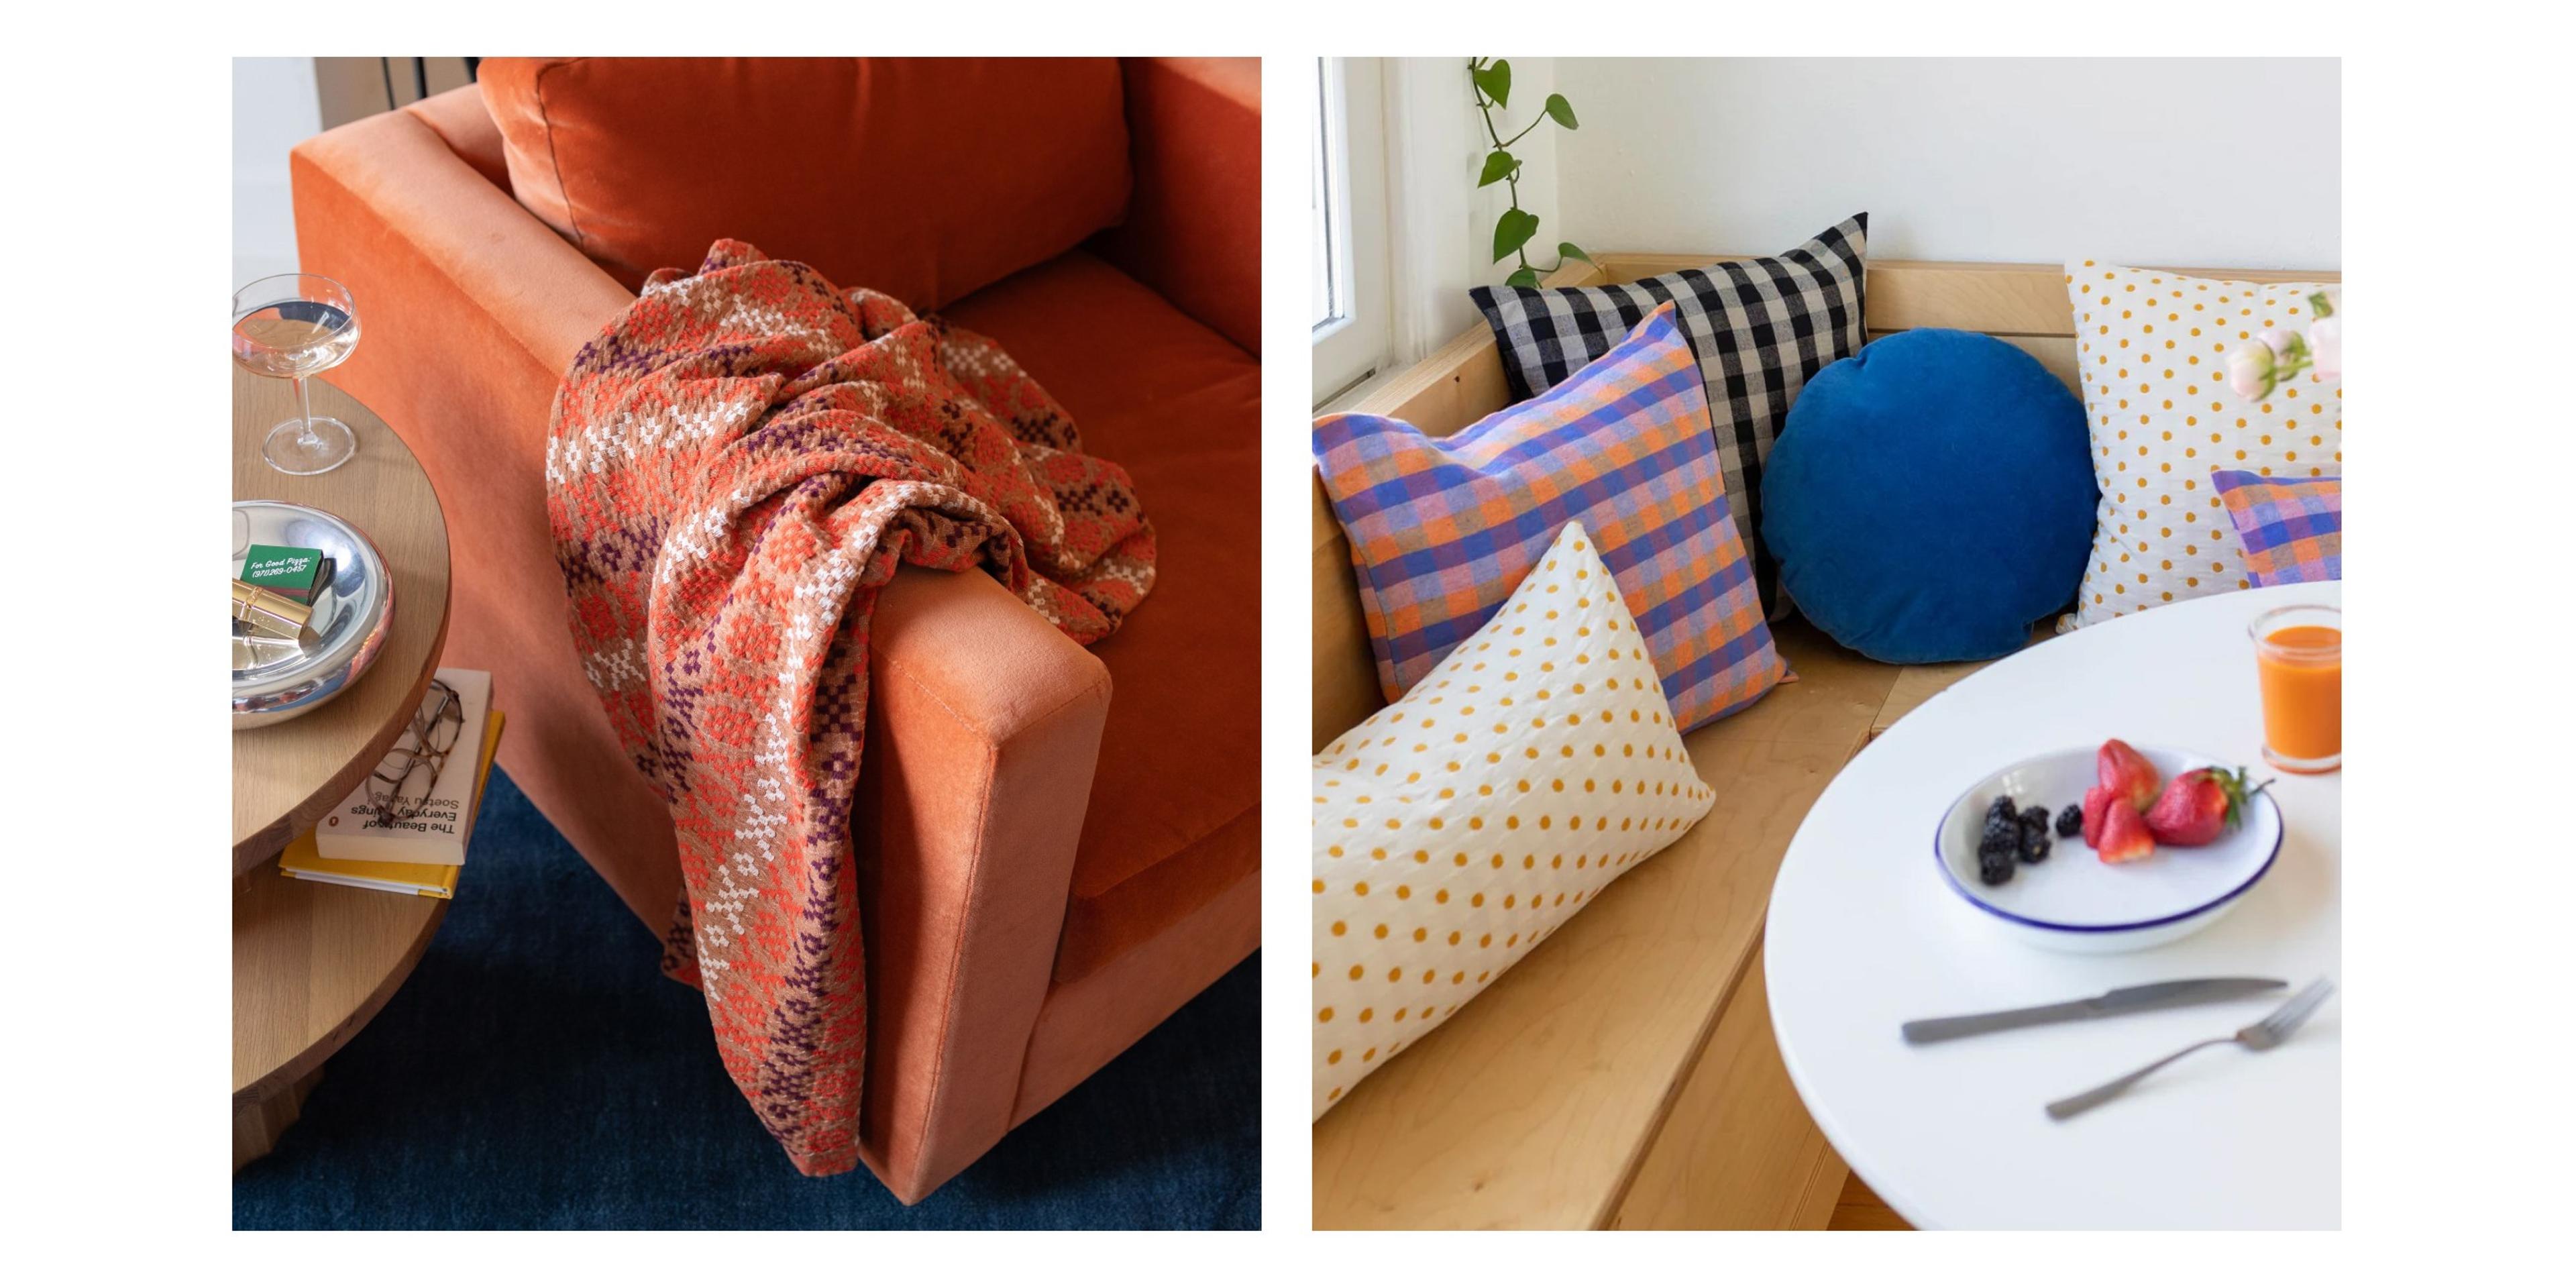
[{"x": 923, "y": 178}]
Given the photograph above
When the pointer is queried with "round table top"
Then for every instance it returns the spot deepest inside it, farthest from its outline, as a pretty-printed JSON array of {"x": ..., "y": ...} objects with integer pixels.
[
  {"x": 1864, "y": 934},
  {"x": 285, "y": 775}
]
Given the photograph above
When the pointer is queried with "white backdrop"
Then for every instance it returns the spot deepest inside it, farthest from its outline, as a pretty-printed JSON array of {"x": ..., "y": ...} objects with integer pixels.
[
  {"x": 1441, "y": 226},
  {"x": 2229, "y": 163},
  {"x": 2202, "y": 163}
]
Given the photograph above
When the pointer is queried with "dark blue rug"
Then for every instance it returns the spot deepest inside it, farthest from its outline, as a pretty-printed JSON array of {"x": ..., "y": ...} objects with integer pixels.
[{"x": 539, "y": 1072}]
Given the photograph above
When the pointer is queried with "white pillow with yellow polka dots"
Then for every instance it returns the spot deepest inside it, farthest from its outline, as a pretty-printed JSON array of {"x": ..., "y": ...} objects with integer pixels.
[
  {"x": 1457, "y": 828},
  {"x": 2154, "y": 347}
]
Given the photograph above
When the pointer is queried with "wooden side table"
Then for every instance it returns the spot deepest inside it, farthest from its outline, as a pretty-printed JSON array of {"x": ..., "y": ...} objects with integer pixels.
[{"x": 313, "y": 963}]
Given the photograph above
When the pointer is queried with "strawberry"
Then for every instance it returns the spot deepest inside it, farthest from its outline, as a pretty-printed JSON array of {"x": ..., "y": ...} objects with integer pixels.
[
  {"x": 2198, "y": 806},
  {"x": 2127, "y": 773},
  {"x": 2097, "y": 805},
  {"x": 2125, "y": 838}
]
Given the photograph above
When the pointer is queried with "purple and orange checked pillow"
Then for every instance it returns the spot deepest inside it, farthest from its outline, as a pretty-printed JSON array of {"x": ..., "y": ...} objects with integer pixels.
[
  {"x": 2292, "y": 529},
  {"x": 1443, "y": 529}
]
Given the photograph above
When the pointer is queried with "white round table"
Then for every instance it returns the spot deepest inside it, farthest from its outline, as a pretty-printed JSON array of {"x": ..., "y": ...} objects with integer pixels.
[{"x": 1864, "y": 935}]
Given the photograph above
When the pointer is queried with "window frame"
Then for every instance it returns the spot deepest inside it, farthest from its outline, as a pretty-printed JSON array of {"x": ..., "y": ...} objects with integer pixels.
[{"x": 1353, "y": 344}]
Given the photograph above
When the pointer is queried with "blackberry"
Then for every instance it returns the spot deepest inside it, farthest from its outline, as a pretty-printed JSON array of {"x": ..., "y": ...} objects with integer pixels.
[
  {"x": 2002, "y": 807},
  {"x": 2000, "y": 838},
  {"x": 2070, "y": 821},
  {"x": 2034, "y": 847},
  {"x": 2035, "y": 818},
  {"x": 1996, "y": 856}
]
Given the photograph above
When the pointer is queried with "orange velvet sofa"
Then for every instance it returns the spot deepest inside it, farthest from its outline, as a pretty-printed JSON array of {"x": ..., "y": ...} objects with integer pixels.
[{"x": 1059, "y": 846}]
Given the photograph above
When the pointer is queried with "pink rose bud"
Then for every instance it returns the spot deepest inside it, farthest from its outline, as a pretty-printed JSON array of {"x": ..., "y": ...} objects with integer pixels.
[
  {"x": 2325, "y": 340},
  {"x": 2249, "y": 371},
  {"x": 2283, "y": 344}
]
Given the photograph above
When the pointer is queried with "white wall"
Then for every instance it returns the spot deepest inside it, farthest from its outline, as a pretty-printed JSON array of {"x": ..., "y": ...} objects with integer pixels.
[
  {"x": 1441, "y": 230},
  {"x": 2220, "y": 163},
  {"x": 275, "y": 107}
]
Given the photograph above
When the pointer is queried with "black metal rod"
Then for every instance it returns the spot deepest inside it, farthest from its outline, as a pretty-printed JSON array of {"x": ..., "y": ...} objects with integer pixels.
[{"x": 420, "y": 78}]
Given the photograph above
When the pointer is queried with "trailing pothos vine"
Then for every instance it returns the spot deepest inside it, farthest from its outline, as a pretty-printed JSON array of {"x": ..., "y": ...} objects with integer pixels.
[{"x": 1493, "y": 81}]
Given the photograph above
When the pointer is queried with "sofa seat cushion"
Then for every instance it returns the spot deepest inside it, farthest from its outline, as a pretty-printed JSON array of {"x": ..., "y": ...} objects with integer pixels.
[
  {"x": 1174, "y": 814},
  {"x": 924, "y": 178}
]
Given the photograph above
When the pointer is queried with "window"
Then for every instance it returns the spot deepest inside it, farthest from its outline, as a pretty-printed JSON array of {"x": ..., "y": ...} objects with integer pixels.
[
  {"x": 1323, "y": 204},
  {"x": 1346, "y": 197}
]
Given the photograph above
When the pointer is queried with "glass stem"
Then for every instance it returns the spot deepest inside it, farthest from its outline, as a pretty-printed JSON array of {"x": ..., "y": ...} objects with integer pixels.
[{"x": 304, "y": 416}]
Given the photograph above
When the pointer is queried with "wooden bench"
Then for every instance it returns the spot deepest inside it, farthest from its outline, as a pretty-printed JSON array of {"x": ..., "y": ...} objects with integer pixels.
[{"x": 1624, "y": 1073}]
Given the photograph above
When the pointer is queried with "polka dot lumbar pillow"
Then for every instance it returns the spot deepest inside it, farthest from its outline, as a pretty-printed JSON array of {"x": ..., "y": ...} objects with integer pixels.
[
  {"x": 1457, "y": 828},
  {"x": 2154, "y": 348}
]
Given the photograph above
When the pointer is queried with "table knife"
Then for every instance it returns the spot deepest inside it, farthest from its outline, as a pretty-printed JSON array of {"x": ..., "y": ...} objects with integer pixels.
[{"x": 2119, "y": 1001}]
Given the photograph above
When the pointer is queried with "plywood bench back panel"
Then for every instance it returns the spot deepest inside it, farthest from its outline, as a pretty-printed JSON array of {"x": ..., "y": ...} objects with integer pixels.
[{"x": 2022, "y": 304}]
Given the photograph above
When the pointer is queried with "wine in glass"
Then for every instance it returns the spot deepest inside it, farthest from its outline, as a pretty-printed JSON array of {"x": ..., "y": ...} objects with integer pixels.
[{"x": 297, "y": 325}]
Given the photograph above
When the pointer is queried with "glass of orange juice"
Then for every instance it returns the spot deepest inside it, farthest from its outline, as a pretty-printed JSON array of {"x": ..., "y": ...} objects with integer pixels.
[{"x": 2298, "y": 653}]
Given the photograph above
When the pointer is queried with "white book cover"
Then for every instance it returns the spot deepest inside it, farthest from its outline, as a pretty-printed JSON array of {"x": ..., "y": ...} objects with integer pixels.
[
  {"x": 359, "y": 883},
  {"x": 437, "y": 834}
]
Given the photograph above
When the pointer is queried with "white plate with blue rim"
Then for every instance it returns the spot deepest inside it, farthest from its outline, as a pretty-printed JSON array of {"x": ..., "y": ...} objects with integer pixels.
[{"x": 2071, "y": 901}]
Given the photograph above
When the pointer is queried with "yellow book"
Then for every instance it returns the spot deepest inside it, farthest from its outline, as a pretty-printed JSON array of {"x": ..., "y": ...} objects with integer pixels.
[{"x": 435, "y": 880}]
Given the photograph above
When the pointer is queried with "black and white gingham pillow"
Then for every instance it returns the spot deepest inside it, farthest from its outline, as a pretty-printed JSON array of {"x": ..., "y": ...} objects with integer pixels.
[{"x": 1760, "y": 327}]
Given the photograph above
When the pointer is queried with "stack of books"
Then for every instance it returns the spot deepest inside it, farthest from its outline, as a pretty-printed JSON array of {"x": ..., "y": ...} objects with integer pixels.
[{"x": 413, "y": 845}]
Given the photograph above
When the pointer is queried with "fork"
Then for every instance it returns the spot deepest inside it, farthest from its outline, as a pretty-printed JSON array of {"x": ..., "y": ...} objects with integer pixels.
[{"x": 2262, "y": 1035}]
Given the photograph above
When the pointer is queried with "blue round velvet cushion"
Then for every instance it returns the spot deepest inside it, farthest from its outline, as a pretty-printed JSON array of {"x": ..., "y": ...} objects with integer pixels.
[{"x": 1931, "y": 497}]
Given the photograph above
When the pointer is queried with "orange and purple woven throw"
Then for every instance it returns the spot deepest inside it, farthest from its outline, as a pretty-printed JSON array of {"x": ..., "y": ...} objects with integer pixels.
[{"x": 735, "y": 467}]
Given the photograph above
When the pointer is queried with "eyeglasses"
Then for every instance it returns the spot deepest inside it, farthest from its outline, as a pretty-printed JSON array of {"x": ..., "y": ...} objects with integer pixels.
[{"x": 399, "y": 789}]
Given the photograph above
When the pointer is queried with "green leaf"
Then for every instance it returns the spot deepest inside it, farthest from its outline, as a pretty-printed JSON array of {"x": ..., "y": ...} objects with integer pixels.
[
  {"x": 1513, "y": 231},
  {"x": 1561, "y": 111},
  {"x": 1496, "y": 82},
  {"x": 1568, "y": 250},
  {"x": 1522, "y": 277},
  {"x": 1498, "y": 165}
]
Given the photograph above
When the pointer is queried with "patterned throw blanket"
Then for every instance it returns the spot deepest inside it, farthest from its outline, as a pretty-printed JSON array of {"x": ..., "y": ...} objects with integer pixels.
[{"x": 735, "y": 467}]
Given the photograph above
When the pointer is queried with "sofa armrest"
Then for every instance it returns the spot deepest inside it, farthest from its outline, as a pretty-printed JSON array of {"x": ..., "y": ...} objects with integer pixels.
[
  {"x": 1193, "y": 229},
  {"x": 983, "y": 728}
]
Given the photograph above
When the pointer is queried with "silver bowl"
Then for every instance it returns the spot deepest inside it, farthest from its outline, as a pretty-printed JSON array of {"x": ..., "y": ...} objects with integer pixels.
[{"x": 351, "y": 617}]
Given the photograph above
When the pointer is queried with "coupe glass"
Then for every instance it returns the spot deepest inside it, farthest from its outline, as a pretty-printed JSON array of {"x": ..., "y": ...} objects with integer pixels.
[{"x": 297, "y": 325}]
